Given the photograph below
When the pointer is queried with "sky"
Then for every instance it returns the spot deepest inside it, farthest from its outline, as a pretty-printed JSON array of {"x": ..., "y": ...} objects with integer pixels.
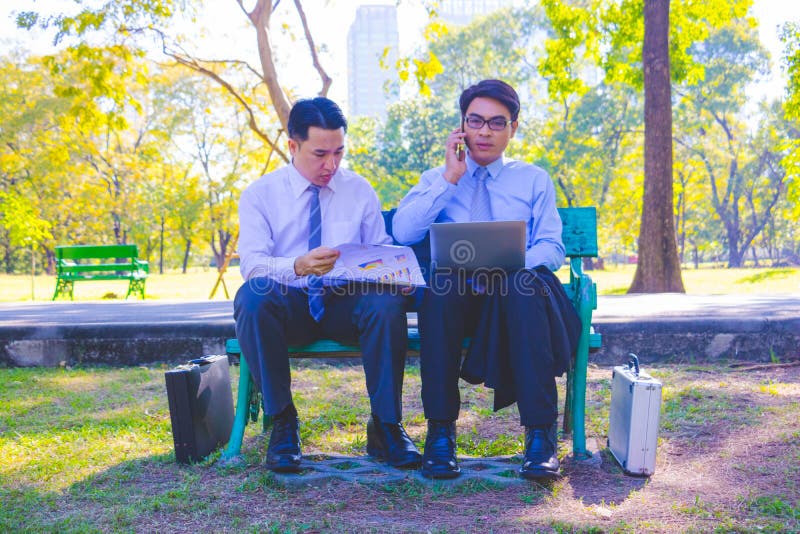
[{"x": 228, "y": 34}]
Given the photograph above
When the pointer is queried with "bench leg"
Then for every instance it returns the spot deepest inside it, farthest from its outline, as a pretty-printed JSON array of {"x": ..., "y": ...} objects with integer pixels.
[
  {"x": 234, "y": 448},
  {"x": 136, "y": 286},
  {"x": 64, "y": 287},
  {"x": 579, "y": 377}
]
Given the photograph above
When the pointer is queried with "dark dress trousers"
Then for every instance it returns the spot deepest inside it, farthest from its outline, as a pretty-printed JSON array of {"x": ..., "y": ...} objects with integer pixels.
[
  {"x": 524, "y": 331},
  {"x": 271, "y": 316}
]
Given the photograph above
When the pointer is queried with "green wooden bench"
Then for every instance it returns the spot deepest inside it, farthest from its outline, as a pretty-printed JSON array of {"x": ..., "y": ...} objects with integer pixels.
[
  {"x": 77, "y": 263},
  {"x": 580, "y": 240}
]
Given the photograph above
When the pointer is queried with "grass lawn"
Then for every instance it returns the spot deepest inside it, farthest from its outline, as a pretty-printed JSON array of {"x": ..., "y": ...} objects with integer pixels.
[
  {"x": 197, "y": 284},
  {"x": 90, "y": 450}
]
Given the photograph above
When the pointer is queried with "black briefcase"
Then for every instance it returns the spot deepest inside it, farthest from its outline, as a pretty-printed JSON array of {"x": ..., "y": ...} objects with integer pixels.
[{"x": 200, "y": 406}]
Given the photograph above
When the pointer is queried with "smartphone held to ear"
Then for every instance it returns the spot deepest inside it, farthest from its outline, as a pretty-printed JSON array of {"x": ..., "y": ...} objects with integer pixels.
[{"x": 460, "y": 152}]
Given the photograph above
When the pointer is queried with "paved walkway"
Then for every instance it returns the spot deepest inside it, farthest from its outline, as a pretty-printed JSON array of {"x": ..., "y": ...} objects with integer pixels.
[
  {"x": 758, "y": 327},
  {"x": 137, "y": 313}
]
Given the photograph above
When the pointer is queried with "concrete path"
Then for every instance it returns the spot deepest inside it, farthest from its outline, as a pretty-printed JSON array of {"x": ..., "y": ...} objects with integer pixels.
[{"x": 674, "y": 326}]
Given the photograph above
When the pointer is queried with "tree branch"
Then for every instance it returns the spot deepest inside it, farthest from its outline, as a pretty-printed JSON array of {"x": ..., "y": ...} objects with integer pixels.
[
  {"x": 326, "y": 80},
  {"x": 259, "y": 17},
  {"x": 195, "y": 65}
]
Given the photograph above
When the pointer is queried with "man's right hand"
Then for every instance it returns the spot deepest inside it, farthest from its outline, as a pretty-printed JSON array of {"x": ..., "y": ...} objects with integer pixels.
[
  {"x": 316, "y": 261},
  {"x": 453, "y": 168}
]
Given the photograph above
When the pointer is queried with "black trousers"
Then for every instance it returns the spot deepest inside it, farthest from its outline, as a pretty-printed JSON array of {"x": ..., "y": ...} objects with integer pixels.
[
  {"x": 451, "y": 310},
  {"x": 271, "y": 316}
]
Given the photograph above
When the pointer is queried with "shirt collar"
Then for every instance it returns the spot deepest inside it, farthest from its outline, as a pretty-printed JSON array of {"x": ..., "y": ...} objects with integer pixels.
[
  {"x": 494, "y": 167},
  {"x": 299, "y": 183}
]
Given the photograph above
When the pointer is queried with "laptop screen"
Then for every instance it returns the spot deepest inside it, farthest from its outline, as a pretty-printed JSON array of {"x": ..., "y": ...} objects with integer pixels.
[{"x": 477, "y": 245}]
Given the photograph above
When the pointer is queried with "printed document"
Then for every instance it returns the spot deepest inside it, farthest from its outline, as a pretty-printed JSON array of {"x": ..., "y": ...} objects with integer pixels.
[{"x": 388, "y": 264}]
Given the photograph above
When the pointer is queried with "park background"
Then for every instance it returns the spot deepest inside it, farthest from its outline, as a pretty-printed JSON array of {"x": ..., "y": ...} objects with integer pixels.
[
  {"x": 107, "y": 139},
  {"x": 142, "y": 122}
]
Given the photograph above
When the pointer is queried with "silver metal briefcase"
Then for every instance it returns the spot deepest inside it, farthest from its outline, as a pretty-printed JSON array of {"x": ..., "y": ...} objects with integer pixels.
[{"x": 633, "y": 418}]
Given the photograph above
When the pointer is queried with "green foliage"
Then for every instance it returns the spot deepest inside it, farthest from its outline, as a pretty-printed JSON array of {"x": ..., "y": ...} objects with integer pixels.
[{"x": 790, "y": 36}]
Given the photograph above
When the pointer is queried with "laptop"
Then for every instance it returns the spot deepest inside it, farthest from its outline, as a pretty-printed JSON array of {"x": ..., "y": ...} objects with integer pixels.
[{"x": 478, "y": 245}]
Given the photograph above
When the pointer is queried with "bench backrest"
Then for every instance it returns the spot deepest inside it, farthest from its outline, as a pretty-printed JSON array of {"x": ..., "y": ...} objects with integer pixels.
[
  {"x": 82, "y": 252},
  {"x": 579, "y": 233}
]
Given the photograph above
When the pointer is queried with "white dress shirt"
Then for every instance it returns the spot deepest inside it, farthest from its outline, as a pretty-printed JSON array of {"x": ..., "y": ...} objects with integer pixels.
[
  {"x": 518, "y": 191},
  {"x": 274, "y": 220}
]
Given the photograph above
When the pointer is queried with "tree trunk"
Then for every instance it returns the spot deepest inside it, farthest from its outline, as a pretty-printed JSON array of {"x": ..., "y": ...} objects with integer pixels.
[
  {"x": 161, "y": 249},
  {"x": 735, "y": 255},
  {"x": 186, "y": 251},
  {"x": 658, "y": 269}
]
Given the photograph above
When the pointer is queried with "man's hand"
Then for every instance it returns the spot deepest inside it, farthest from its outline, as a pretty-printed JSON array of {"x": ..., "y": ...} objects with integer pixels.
[
  {"x": 453, "y": 168},
  {"x": 316, "y": 261}
]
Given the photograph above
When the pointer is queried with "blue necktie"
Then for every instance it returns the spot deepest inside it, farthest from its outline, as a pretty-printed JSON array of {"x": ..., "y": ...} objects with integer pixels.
[
  {"x": 316, "y": 305},
  {"x": 481, "y": 209}
]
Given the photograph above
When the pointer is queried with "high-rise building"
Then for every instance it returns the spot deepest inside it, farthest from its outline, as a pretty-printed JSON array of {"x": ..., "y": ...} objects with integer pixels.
[
  {"x": 463, "y": 11},
  {"x": 373, "y": 32}
]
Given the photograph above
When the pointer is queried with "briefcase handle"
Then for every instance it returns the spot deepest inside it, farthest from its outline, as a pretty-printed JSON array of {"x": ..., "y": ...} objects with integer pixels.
[{"x": 633, "y": 363}]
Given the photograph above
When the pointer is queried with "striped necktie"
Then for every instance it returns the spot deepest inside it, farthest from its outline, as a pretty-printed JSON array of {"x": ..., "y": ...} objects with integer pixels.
[
  {"x": 481, "y": 209},
  {"x": 316, "y": 305}
]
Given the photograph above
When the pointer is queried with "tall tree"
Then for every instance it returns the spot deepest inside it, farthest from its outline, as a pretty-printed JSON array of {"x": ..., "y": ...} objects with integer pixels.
[{"x": 658, "y": 269}]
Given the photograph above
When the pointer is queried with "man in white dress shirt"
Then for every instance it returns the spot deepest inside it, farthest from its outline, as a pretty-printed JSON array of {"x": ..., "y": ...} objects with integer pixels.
[{"x": 290, "y": 222}]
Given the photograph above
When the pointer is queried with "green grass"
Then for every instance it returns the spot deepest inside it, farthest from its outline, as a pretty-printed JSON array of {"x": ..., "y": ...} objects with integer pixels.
[
  {"x": 197, "y": 283},
  {"x": 90, "y": 450}
]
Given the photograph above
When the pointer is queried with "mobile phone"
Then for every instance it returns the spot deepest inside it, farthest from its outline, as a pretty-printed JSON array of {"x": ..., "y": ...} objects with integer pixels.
[{"x": 460, "y": 152}]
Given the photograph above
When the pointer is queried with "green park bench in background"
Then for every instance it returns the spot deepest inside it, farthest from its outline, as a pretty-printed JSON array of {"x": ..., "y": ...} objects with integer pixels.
[
  {"x": 580, "y": 241},
  {"x": 77, "y": 263}
]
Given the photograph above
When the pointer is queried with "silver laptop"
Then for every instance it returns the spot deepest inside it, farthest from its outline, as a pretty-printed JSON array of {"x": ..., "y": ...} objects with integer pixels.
[{"x": 478, "y": 245}]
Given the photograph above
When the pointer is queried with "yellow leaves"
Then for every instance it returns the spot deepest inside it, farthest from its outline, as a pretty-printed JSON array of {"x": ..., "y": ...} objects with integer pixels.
[
  {"x": 434, "y": 30},
  {"x": 426, "y": 70}
]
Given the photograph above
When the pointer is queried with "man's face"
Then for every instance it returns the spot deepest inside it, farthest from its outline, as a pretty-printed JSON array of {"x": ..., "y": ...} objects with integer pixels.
[
  {"x": 318, "y": 157},
  {"x": 487, "y": 145}
]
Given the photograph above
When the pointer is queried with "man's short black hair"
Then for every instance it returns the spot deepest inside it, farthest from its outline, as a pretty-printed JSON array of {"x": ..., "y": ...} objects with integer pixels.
[
  {"x": 320, "y": 112},
  {"x": 494, "y": 89}
]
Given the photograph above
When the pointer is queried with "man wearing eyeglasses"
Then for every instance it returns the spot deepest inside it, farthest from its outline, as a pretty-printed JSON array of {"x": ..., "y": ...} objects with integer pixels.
[{"x": 523, "y": 334}]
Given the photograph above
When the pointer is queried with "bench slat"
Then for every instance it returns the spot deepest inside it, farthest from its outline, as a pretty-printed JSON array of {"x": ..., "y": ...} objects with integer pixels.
[
  {"x": 79, "y": 252},
  {"x": 98, "y": 267}
]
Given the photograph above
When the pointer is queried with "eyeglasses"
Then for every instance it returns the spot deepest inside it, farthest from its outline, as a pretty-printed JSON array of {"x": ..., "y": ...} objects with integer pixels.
[{"x": 495, "y": 123}]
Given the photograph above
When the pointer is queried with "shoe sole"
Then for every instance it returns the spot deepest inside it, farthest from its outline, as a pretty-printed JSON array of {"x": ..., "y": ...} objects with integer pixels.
[
  {"x": 378, "y": 453},
  {"x": 440, "y": 475},
  {"x": 540, "y": 475},
  {"x": 284, "y": 467}
]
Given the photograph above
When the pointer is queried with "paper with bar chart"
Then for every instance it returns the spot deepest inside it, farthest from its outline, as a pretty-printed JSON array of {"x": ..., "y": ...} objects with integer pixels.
[{"x": 387, "y": 264}]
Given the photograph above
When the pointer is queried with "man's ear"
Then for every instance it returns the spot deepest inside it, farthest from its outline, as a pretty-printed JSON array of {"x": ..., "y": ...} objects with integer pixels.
[
  {"x": 514, "y": 125},
  {"x": 294, "y": 146}
]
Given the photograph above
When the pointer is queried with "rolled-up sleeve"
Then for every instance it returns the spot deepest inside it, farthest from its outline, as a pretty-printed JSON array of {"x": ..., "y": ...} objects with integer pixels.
[{"x": 421, "y": 206}]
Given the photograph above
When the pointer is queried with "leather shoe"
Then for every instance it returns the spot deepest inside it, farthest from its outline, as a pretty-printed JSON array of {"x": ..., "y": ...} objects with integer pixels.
[
  {"x": 540, "y": 453},
  {"x": 439, "y": 459},
  {"x": 283, "y": 452},
  {"x": 390, "y": 442}
]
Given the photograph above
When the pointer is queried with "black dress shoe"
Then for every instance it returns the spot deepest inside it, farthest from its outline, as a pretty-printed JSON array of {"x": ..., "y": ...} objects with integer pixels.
[
  {"x": 439, "y": 459},
  {"x": 540, "y": 453},
  {"x": 283, "y": 452},
  {"x": 390, "y": 442}
]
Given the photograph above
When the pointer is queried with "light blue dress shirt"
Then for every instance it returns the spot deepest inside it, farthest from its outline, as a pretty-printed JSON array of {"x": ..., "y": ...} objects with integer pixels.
[
  {"x": 518, "y": 192},
  {"x": 274, "y": 223}
]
